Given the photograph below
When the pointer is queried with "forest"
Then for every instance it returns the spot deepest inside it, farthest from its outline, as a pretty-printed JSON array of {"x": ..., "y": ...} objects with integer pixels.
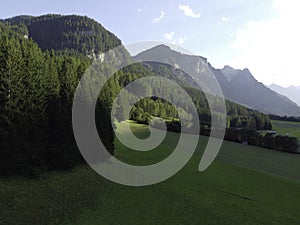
[
  {"x": 72, "y": 32},
  {"x": 36, "y": 96},
  {"x": 41, "y": 62}
]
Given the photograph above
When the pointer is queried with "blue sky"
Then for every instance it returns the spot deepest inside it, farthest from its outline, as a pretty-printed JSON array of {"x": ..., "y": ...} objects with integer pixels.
[{"x": 241, "y": 33}]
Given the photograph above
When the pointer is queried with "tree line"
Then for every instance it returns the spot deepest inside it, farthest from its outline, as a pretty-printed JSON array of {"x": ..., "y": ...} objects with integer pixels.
[
  {"x": 36, "y": 94},
  {"x": 285, "y": 118},
  {"x": 272, "y": 141}
]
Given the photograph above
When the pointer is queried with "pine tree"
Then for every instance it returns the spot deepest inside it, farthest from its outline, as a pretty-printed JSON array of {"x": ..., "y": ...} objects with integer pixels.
[{"x": 4, "y": 87}]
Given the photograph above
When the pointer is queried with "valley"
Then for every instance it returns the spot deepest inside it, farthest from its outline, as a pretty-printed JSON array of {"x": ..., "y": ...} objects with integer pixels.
[{"x": 44, "y": 178}]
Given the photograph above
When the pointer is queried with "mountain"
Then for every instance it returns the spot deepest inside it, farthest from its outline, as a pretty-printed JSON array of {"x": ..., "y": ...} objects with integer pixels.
[
  {"x": 240, "y": 86},
  {"x": 292, "y": 92},
  {"x": 81, "y": 34},
  {"x": 237, "y": 85},
  {"x": 71, "y": 32},
  {"x": 192, "y": 65},
  {"x": 237, "y": 116}
]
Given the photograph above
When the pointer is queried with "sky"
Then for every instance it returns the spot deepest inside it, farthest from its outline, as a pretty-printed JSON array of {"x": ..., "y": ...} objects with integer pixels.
[{"x": 262, "y": 35}]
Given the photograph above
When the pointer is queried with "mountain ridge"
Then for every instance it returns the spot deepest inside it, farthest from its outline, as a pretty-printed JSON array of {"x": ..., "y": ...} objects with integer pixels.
[
  {"x": 87, "y": 36},
  {"x": 292, "y": 92},
  {"x": 237, "y": 85}
]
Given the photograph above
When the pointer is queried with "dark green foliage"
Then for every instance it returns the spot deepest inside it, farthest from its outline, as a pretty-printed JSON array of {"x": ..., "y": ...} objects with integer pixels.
[
  {"x": 104, "y": 126},
  {"x": 36, "y": 96},
  {"x": 58, "y": 32},
  {"x": 252, "y": 137},
  {"x": 17, "y": 31},
  {"x": 285, "y": 118}
]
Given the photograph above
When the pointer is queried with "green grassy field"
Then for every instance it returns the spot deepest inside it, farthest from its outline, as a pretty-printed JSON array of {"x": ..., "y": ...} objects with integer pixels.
[
  {"x": 245, "y": 185},
  {"x": 285, "y": 127}
]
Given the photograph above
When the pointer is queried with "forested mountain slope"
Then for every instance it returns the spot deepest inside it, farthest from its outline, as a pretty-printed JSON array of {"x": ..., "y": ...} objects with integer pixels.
[{"x": 73, "y": 32}]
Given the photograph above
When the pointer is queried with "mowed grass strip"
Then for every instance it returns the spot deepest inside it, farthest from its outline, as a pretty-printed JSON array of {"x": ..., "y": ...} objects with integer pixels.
[{"x": 286, "y": 127}]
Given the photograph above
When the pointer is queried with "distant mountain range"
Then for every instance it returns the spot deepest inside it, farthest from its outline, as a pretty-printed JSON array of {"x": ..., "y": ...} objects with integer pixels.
[
  {"x": 240, "y": 86},
  {"x": 292, "y": 92},
  {"x": 86, "y": 36},
  {"x": 237, "y": 85}
]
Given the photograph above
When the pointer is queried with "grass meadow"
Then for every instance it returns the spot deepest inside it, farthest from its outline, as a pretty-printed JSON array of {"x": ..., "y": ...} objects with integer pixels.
[
  {"x": 245, "y": 185},
  {"x": 286, "y": 127}
]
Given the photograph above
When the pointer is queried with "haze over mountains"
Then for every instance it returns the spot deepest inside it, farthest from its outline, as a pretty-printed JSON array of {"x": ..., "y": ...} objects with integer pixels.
[
  {"x": 241, "y": 86},
  {"x": 292, "y": 92},
  {"x": 237, "y": 85}
]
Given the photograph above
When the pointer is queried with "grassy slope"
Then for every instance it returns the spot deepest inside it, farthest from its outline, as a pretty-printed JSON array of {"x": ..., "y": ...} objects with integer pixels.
[
  {"x": 284, "y": 127},
  {"x": 224, "y": 194}
]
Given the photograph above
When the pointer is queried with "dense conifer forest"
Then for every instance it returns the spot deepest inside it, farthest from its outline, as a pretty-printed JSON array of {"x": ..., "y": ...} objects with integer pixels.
[{"x": 36, "y": 95}]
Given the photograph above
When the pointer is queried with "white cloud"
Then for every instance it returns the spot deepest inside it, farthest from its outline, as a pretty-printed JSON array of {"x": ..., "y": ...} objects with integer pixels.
[
  {"x": 139, "y": 10},
  {"x": 188, "y": 11},
  {"x": 224, "y": 19},
  {"x": 161, "y": 16},
  {"x": 169, "y": 36},
  {"x": 270, "y": 48},
  {"x": 182, "y": 40}
]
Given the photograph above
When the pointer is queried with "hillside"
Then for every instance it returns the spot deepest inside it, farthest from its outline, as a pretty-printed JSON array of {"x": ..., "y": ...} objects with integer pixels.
[
  {"x": 237, "y": 85},
  {"x": 240, "y": 86},
  {"x": 44, "y": 178},
  {"x": 238, "y": 116},
  {"x": 86, "y": 36},
  {"x": 292, "y": 92},
  {"x": 59, "y": 32},
  {"x": 245, "y": 185},
  {"x": 58, "y": 74}
]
